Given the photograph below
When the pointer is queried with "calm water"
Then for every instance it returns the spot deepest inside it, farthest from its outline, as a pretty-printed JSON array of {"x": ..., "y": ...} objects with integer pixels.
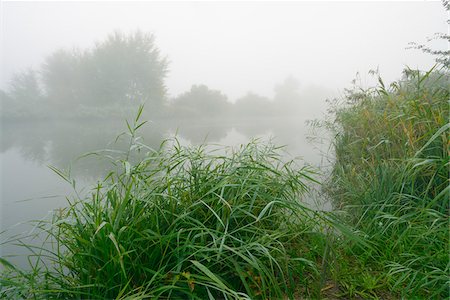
[{"x": 30, "y": 190}]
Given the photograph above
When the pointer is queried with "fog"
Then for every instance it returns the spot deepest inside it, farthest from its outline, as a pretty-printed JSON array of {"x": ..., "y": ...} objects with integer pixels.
[
  {"x": 217, "y": 72},
  {"x": 234, "y": 47}
]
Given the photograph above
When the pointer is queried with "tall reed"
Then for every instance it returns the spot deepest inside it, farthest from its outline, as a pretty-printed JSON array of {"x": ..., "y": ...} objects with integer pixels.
[
  {"x": 391, "y": 177},
  {"x": 181, "y": 223}
]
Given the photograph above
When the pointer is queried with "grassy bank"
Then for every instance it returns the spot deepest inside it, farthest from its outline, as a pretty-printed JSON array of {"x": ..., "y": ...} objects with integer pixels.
[{"x": 390, "y": 180}]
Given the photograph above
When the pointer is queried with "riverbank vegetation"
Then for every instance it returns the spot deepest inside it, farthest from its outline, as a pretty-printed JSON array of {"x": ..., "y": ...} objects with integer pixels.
[
  {"x": 180, "y": 223},
  {"x": 197, "y": 223},
  {"x": 390, "y": 181}
]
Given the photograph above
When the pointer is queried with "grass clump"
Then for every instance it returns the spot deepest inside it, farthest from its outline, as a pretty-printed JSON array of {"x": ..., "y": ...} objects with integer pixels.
[
  {"x": 182, "y": 223},
  {"x": 391, "y": 178}
]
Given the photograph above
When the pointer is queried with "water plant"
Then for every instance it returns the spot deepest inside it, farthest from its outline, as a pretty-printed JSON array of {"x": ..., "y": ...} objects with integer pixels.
[
  {"x": 208, "y": 223},
  {"x": 180, "y": 222},
  {"x": 390, "y": 177}
]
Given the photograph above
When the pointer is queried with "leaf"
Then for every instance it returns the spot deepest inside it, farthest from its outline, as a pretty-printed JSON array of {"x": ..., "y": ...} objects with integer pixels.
[
  {"x": 140, "y": 109},
  {"x": 138, "y": 126},
  {"x": 435, "y": 136},
  {"x": 127, "y": 168},
  {"x": 265, "y": 209},
  {"x": 210, "y": 274},
  {"x": 100, "y": 227}
]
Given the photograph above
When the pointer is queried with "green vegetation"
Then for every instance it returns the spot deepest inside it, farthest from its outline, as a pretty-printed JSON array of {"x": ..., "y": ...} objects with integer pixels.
[
  {"x": 200, "y": 102},
  {"x": 390, "y": 178},
  {"x": 194, "y": 223},
  {"x": 180, "y": 223}
]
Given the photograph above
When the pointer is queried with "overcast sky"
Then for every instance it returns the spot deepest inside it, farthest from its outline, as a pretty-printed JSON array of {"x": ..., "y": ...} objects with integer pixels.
[{"x": 234, "y": 46}]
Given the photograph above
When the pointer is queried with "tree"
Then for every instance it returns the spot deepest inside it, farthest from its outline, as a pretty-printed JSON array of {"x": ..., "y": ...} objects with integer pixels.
[
  {"x": 201, "y": 101},
  {"x": 287, "y": 92},
  {"x": 253, "y": 105},
  {"x": 118, "y": 72},
  {"x": 287, "y": 97},
  {"x": 63, "y": 79},
  {"x": 24, "y": 96},
  {"x": 128, "y": 68}
]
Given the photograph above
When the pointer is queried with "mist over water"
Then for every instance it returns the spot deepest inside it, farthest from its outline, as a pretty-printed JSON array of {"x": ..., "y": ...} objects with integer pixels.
[{"x": 221, "y": 73}]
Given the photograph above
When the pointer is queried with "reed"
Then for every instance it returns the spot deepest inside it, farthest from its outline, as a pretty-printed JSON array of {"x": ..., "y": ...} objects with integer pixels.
[
  {"x": 198, "y": 223},
  {"x": 180, "y": 223},
  {"x": 391, "y": 178}
]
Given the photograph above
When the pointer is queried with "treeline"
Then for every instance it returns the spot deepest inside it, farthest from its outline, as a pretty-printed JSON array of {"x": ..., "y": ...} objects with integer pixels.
[{"x": 121, "y": 72}]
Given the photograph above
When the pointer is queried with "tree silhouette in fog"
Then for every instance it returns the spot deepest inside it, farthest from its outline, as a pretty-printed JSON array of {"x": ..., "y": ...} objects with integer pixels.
[
  {"x": 253, "y": 105},
  {"x": 287, "y": 97},
  {"x": 129, "y": 68},
  {"x": 200, "y": 101},
  {"x": 288, "y": 91},
  {"x": 119, "y": 71},
  {"x": 24, "y": 96},
  {"x": 63, "y": 80}
]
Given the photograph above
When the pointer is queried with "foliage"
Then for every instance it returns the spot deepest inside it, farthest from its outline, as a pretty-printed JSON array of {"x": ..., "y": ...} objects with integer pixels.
[
  {"x": 253, "y": 105},
  {"x": 391, "y": 177},
  {"x": 180, "y": 223},
  {"x": 119, "y": 72},
  {"x": 201, "y": 101},
  {"x": 24, "y": 97},
  {"x": 129, "y": 68}
]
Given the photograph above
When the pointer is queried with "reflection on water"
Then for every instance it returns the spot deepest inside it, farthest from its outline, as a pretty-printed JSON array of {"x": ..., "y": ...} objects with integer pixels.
[
  {"x": 60, "y": 144},
  {"x": 30, "y": 190}
]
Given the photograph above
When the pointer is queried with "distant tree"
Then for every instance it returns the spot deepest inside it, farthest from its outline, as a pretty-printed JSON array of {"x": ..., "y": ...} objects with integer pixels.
[
  {"x": 25, "y": 87},
  {"x": 128, "y": 68},
  {"x": 24, "y": 96},
  {"x": 63, "y": 79},
  {"x": 253, "y": 105},
  {"x": 287, "y": 91},
  {"x": 118, "y": 72},
  {"x": 201, "y": 101},
  {"x": 287, "y": 97}
]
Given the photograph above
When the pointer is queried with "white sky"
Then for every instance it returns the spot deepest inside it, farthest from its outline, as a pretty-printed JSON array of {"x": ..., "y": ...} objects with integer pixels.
[{"x": 234, "y": 46}]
